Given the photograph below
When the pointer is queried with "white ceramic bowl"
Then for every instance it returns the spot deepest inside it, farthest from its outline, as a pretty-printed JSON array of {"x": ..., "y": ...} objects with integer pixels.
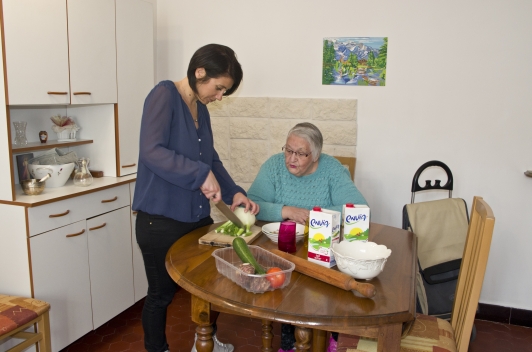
[
  {"x": 272, "y": 231},
  {"x": 59, "y": 173},
  {"x": 361, "y": 260}
]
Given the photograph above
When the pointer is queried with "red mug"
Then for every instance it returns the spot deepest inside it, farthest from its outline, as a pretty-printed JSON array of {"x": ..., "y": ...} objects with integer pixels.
[{"x": 286, "y": 241}]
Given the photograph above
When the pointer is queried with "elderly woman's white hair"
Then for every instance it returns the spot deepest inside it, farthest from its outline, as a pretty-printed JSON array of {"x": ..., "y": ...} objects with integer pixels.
[{"x": 311, "y": 134}]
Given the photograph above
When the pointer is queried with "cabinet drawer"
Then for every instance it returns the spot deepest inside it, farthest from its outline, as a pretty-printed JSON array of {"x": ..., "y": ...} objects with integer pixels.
[{"x": 50, "y": 216}]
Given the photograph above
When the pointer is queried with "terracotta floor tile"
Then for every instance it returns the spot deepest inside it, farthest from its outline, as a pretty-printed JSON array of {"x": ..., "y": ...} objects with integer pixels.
[
  {"x": 125, "y": 333},
  {"x": 119, "y": 346}
]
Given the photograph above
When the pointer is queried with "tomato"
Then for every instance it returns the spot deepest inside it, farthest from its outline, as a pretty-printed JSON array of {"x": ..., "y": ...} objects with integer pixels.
[{"x": 275, "y": 280}]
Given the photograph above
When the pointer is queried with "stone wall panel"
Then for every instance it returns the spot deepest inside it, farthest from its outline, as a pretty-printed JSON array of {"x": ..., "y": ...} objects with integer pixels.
[
  {"x": 338, "y": 133},
  {"x": 288, "y": 108},
  {"x": 249, "y": 107},
  {"x": 246, "y": 158},
  {"x": 221, "y": 108},
  {"x": 249, "y": 128},
  {"x": 221, "y": 134},
  {"x": 334, "y": 109}
]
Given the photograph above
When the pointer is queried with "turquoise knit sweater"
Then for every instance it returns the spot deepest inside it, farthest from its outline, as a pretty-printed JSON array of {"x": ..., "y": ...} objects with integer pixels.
[{"x": 329, "y": 187}]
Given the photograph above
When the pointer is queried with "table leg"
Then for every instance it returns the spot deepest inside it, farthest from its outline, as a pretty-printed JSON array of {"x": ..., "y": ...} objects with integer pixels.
[
  {"x": 303, "y": 339},
  {"x": 389, "y": 338},
  {"x": 201, "y": 311},
  {"x": 267, "y": 336},
  {"x": 319, "y": 339}
]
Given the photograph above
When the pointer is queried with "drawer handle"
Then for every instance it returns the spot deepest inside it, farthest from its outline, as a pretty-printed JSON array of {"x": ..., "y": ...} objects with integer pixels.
[
  {"x": 98, "y": 227},
  {"x": 130, "y": 165},
  {"x": 59, "y": 215},
  {"x": 58, "y": 93},
  {"x": 76, "y": 234},
  {"x": 109, "y": 200},
  {"x": 82, "y": 93}
]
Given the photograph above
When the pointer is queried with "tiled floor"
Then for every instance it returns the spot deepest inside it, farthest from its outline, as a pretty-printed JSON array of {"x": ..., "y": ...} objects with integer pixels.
[{"x": 124, "y": 333}]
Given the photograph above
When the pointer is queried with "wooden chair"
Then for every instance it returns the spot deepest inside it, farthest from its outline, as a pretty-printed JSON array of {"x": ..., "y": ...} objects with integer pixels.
[
  {"x": 19, "y": 313},
  {"x": 428, "y": 332},
  {"x": 349, "y": 163}
]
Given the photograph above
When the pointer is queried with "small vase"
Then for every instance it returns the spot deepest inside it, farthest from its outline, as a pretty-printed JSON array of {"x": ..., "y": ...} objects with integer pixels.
[
  {"x": 83, "y": 176},
  {"x": 43, "y": 136},
  {"x": 20, "y": 133}
]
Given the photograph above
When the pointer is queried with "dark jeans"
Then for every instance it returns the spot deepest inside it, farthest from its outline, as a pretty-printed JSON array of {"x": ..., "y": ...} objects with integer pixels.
[{"x": 155, "y": 235}]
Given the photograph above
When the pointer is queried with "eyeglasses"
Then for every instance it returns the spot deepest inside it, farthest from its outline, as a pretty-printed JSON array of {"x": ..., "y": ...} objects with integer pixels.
[{"x": 289, "y": 152}]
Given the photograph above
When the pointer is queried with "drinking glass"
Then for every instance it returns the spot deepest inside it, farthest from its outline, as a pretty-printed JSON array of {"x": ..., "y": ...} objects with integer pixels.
[
  {"x": 287, "y": 237},
  {"x": 20, "y": 133}
]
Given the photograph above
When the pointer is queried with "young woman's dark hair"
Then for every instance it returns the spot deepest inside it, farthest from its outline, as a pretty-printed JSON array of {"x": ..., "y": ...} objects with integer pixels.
[{"x": 217, "y": 60}]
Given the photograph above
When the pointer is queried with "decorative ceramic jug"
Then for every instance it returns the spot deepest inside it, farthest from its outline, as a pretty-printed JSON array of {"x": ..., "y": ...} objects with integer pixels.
[
  {"x": 83, "y": 177},
  {"x": 43, "y": 136}
]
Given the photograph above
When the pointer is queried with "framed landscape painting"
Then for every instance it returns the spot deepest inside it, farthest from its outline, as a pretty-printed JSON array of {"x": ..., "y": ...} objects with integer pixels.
[{"x": 354, "y": 61}]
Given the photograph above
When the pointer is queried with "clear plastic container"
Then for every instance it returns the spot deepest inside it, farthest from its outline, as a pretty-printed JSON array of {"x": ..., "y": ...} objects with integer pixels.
[{"x": 227, "y": 262}]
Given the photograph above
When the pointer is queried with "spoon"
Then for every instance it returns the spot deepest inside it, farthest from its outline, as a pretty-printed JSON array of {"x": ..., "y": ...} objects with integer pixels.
[{"x": 45, "y": 178}]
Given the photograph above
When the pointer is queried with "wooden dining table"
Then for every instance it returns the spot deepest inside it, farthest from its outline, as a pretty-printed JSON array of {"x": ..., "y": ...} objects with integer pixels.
[{"x": 312, "y": 306}]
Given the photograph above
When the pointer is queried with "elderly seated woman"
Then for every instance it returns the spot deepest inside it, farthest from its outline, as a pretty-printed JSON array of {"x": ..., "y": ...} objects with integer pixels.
[{"x": 291, "y": 183}]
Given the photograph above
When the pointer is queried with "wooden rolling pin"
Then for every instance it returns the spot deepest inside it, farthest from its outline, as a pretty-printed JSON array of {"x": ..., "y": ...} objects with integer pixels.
[{"x": 332, "y": 277}]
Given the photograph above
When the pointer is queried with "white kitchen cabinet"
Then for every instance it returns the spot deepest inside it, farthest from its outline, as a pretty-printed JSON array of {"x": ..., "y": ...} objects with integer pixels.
[
  {"x": 41, "y": 64},
  {"x": 110, "y": 258},
  {"x": 80, "y": 259},
  {"x": 53, "y": 215},
  {"x": 40, "y": 36},
  {"x": 135, "y": 75},
  {"x": 69, "y": 46},
  {"x": 92, "y": 51},
  {"x": 60, "y": 267},
  {"x": 139, "y": 273}
]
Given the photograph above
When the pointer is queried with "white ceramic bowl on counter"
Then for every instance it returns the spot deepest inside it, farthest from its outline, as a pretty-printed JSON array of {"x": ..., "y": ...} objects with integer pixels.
[
  {"x": 59, "y": 173},
  {"x": 361, "y": 260}
]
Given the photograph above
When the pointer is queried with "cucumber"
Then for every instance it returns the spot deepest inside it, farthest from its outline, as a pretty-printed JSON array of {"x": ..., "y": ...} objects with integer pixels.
[{"x": 242, "y": 250}]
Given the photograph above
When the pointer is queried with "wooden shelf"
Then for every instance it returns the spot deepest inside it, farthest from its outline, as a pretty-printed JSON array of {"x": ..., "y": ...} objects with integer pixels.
[{"x": 48, "y": 145}]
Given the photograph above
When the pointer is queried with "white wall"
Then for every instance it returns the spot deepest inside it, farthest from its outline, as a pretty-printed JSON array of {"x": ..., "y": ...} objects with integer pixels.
[{"x": 459, "y": 84}]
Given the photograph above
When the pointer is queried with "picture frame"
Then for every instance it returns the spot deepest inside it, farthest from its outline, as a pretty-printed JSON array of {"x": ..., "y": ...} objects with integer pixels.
[{"x": 23, "y": 172}]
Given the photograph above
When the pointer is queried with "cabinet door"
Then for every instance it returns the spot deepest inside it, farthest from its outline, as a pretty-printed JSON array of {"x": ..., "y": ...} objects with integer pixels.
[
  {"x": 36, "y": 51},
  {"x": 60, "y": 268},
  {"x": 139, "y": 273},
  {"x": 111, "y": 270},
  {"x": 135, "y": 75},
  {"x": 91, "y": 35}
]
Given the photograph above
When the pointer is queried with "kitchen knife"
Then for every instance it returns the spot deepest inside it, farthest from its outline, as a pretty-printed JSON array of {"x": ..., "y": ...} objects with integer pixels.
[{"x": 229, "y": 214}]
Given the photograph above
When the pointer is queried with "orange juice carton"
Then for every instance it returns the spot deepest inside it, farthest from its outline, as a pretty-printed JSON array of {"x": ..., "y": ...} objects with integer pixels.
[
  {"x": 356, "y": 222},
  {"x": 324, "y": 230}
]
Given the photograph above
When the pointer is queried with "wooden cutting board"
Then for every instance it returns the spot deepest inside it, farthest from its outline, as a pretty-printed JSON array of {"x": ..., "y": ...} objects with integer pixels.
[{"x": 221, "y": 240}]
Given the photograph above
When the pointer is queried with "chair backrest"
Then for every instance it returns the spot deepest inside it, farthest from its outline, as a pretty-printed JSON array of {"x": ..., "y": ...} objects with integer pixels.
[
  {"x": 349, "y": 162},
  {"x": 428, "y": 183},
  {"x": 472, "y": 271}
]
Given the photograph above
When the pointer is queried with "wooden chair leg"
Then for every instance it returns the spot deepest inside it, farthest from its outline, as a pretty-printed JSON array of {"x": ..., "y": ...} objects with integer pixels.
[
  {"x": 319, "y": 340},
  {"x": 44, "y": 327}
]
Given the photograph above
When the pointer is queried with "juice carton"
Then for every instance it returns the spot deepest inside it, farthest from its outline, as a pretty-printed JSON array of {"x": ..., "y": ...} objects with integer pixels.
[
  {"x": 324, "y": 230},
  {"x": 356, "y": 222}
]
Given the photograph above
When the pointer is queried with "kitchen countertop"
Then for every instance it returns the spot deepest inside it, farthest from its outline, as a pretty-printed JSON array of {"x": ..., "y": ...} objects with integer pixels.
[{"x": 50, "y": 195}]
